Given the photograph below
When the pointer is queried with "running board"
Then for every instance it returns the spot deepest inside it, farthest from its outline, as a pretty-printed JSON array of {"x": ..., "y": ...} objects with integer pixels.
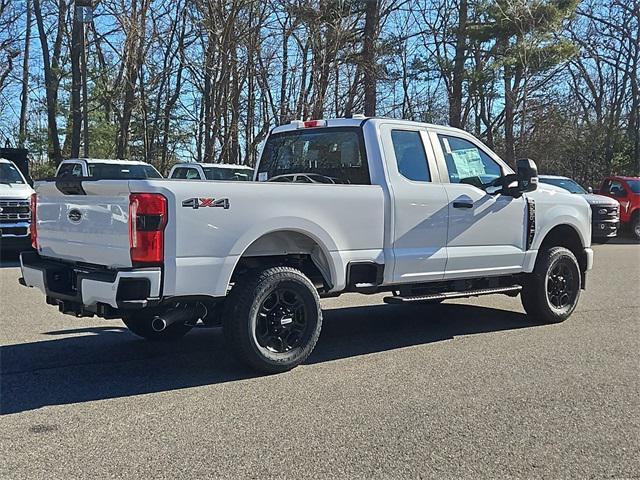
[{"x": 512, "y": 290}]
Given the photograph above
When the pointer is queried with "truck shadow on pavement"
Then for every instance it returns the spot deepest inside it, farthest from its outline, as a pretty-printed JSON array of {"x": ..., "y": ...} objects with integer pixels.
[{"x": 87, "y": 364}]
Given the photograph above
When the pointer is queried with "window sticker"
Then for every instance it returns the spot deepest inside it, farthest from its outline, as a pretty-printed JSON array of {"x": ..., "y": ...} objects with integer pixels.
[
  {"x": 468, "y": 163},
  {"x": 263, "y": 176}
]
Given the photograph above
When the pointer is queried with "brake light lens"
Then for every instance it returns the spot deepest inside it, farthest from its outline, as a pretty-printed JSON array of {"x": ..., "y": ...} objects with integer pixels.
[
  {"x": 147, "y": 219},
  {"x": 33, "y": 227},
  {"x": 315, "y": 123},
  {"x": 309, "y": 123}
]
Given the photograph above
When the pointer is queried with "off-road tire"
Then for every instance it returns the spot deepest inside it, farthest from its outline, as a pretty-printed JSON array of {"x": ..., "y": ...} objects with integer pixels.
[
  {"x": 535, "y": 295},
  {"x": 140, "y": 324},
  {"x": 244, "y": 313}
]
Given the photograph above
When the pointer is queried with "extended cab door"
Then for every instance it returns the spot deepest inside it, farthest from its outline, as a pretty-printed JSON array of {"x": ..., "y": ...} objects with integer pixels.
[
  {"x": 419, "y": 204},
  {"x": 486, "y": 234}
]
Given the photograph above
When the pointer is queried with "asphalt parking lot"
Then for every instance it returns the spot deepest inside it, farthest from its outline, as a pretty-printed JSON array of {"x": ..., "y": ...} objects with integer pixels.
[{"x": 466, "y": 389}]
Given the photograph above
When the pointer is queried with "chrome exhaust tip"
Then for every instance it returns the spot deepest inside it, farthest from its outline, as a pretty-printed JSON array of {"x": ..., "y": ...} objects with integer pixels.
[{"x": 158, "y": 324}]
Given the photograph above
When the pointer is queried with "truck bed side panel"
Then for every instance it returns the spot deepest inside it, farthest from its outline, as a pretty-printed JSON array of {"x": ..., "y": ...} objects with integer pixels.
[{"x": 204, "y": 244}]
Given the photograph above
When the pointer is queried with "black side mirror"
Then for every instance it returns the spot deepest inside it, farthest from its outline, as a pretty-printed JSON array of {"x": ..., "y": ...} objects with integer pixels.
[{"x": 527, "y": 173}]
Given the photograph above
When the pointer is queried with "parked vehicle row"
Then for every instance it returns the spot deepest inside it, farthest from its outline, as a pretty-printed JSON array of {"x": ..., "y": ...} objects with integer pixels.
[
  {"x": 605, "y": 212},
  {"x": 128, "y": 169},
  {"x": 423, "y": 212}
]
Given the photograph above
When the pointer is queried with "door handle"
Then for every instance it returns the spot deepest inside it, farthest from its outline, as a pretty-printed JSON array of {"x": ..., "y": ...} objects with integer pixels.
[{"x": 462, "y": 205}]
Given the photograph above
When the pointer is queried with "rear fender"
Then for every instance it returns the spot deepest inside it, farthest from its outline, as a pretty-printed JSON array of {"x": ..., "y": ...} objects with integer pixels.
[{"x": 335, "y": 267}]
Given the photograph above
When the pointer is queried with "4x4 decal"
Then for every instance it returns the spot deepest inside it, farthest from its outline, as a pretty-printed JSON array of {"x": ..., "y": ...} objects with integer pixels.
[{"x": 196, "y": 203}]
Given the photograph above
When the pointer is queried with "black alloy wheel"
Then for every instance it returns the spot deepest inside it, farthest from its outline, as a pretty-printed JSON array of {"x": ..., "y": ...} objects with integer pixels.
[
  {"x": 562, "y": 286},
  {"x": 282, "y": 321}
]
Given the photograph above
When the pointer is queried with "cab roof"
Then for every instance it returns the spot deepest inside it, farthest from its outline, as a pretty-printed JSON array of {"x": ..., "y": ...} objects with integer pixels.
[
  {"x": 112, "y": 161},
  {"x": 217, "y": 165},
  {"x": 355, "y": 121}
]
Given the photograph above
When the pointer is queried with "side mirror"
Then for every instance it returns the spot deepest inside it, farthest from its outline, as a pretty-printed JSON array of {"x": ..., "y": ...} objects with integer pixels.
[
  {"x": 589, "y": 189},
  {"x": 527, "y": 173}
]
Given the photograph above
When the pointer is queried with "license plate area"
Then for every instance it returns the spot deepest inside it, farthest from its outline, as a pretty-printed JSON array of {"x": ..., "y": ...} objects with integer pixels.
[{"x": 63, "y": 280}]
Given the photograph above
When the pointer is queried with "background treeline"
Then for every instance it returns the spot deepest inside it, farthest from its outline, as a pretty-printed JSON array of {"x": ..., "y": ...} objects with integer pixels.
[{"x": 554, "y": 80}]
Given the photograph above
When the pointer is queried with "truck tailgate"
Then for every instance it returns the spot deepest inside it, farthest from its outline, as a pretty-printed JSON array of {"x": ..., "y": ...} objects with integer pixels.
[{"x": 89, "y": 228}]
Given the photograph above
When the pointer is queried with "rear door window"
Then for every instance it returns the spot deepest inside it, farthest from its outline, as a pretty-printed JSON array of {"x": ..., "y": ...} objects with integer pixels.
[
  {"x": 122, "y": 171},
  {"x": 180, "y": 173},
  {"x": 70, "y": 170},
  {"x": 335, "y": 153},
  {"x": 192, "y": 174},
  {"x": 410, "y": 156}
]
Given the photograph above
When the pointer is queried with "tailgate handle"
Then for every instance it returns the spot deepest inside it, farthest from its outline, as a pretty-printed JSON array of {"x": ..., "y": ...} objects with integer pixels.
[{"x": 462, "y": 205}]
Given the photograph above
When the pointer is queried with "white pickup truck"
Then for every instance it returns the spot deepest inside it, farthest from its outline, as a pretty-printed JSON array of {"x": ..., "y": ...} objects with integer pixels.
[
  {"x": 424, "y": 212},
  {"x": 15, "y": 216}
]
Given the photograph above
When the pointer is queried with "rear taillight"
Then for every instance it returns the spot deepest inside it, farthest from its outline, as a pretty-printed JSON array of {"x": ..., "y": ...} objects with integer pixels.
[
  {"x": 147, "y": 219},
  {"x": 33, "y": 228}
]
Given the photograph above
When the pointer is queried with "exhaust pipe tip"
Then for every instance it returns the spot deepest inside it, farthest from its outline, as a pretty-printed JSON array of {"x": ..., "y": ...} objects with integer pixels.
[{"x": 158, "y": 324}]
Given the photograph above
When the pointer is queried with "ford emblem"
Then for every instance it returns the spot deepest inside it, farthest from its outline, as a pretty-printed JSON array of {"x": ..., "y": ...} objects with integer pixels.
[{"x": 75, "y": 215}]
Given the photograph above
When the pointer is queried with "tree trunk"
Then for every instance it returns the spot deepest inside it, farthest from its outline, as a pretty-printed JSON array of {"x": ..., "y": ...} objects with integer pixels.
[
  {"x": 284, "y": 103},
  {"x": 509, "y": 115},
  {"x": 455, "y": 99},
  {"x": 51, "y": 83},
  {"x": 369, "y": 56},
  {"x": 76, "y": 85},
  {"x": 24, "y": 95},
  {"x": 135, "y": 44}
]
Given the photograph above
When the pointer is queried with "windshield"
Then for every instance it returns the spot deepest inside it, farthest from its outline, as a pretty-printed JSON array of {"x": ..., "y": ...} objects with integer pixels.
[
  {"x": 565, "y": 183},
  {"x": 117, "y": 171},
  {"x": 634, "y": 185},
  {"x": 215, "y": 173},
  {"x": 10, "y": 174},
  {"x": 334, "y": 154}
]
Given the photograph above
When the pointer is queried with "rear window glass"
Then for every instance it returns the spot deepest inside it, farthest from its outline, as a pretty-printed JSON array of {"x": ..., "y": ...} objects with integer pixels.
[
  {"x": 222, "y": 173},
  {"x": 115, "y": 171},
  {"x": 330, "y": 155}
]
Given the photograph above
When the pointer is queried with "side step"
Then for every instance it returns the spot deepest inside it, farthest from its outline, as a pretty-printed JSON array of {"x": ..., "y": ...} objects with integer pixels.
[{"x": 512, "y": 290}]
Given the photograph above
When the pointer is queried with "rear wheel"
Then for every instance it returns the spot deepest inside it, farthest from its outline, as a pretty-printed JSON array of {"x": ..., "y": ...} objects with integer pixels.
[
  {"x": 635, "y": 226},
  {"x": 273, "y": 319},
  {"x": 141, "y": 324},
  {"x": 551, "y": 292}
]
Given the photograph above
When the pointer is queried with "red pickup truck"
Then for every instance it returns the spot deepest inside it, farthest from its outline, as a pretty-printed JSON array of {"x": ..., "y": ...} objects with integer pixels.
[{"x": 627, "y": 191}]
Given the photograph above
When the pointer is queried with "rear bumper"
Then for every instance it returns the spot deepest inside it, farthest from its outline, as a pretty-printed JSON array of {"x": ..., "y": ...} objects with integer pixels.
[{"x": 86, "y": 290}]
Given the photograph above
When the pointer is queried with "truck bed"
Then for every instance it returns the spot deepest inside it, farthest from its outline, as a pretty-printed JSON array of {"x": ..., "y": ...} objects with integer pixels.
[{"x": 203, "y": 244}]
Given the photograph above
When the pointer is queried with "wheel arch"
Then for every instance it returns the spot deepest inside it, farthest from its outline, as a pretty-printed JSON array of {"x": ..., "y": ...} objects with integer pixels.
[
  {"x": 567, "y": 236},
  {"x": 302, "y": 244}
]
